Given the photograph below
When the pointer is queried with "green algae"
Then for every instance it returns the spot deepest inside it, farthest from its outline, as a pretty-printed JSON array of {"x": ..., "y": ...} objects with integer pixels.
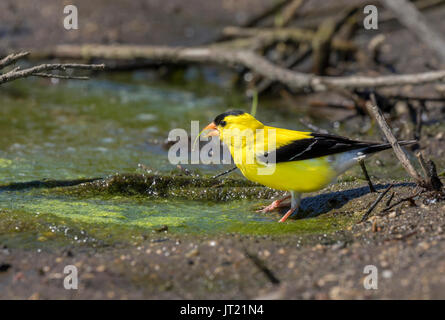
[
  {"x": 98, "y": 221},
  {"x": 55, "y": 138},
  {"x": 155, "y": 186}
]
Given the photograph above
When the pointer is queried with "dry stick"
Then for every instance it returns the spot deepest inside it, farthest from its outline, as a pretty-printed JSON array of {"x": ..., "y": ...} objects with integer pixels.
[
  {"x": 412, "y": 19},
  {"x": 376, "y": 202},
  {"x": 37, "y": 71},
  {"x": 378, "y": 115},
  {"x": 262, "y": 266},
  {"x": 289, "y": 12},
  {"x": 269, "y": 12},
  {"x": 322, "y": 42},
  {"x": 246, "y": 58},
  {"x": 368, "y": 179},
  {"x": 285, "y": 34},
  {"x": 58, "y": 76},
  {"x": 421, "y": 99},
  {"x": 10, "y": 59},
  {"x": 313, "y": 17},
  {"x": 290, "y": 62},
  {"x": 388, "y": 202},
  {"x": 422, "y": 162},
  {"x": 324, "y": 104},
  {"x": 224, "y": 173},
  {"x": 430, "y": 172},
  {"x": 321, "y": 46},
  {"x": 409, "y": 198},
  {"x": 257, "y": 19},
  {"x": 419, "y": 122}
]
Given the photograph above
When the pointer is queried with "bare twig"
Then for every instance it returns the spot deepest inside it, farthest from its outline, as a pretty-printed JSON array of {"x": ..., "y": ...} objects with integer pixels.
[
  {"x": 321, "y": 46},
  {"x": 40, "y": 71},
  {"x": 323, "y": 40},
  {"x": 267, "y": 13},
  {"x": 224, "y": 173},
  {"x": 289, "y": 12},
  {"x": 58, "y": 76},
  {"x": 406, "y": 163},
  {"x": 262, "y": 267},
  {"x": 314, "y": 16},
  {"x": 409, "y": 198},
  {"x": 429, "y": 169},
  {"x": 388, "y": 202},
  {"x": 412, "y": 19},
  {"x": 290, "y": 62},
  {"x": 286, "y": 34},
  {"x": 422, "y": 99},
  {"x": 422, "y": 162},
  {"x": 368, "y": 179},
  {"x": 376, "y": 202},
  {"x": 419, "y": 121},
  {"x": 312, "y": 126},
  {"x": 325, "y": 104},
  {"x": 259, "y": 18},
  {"x": 10, "y": 59}
]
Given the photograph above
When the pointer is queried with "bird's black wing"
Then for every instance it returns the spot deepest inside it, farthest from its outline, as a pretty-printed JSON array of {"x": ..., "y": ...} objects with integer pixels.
[{"x": 320, "y": 145}]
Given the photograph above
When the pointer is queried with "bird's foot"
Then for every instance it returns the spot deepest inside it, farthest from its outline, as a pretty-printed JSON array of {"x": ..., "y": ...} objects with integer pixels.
[{"x": 274, "y": 205}]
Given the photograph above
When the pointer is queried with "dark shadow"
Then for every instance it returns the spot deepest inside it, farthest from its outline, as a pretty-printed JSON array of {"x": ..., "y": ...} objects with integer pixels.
[
  {"x": 17, "y": 186},
  {"x": 323, "y": 203}
]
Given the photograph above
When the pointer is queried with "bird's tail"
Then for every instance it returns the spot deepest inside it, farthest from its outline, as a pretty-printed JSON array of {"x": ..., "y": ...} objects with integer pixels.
[
  {"x": 379, "y": 147},
  {"x": 346, "y": 160}
]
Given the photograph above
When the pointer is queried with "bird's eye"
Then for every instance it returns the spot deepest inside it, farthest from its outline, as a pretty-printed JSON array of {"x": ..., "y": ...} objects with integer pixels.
[{"x": 223, "y": 123}]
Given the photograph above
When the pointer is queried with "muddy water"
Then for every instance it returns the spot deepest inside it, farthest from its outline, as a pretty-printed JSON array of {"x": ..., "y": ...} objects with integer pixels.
[{"x": 72, "y": 130}]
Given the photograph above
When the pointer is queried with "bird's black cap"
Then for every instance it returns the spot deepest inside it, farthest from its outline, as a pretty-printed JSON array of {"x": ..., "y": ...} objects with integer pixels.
[{"x": 219, "y": 119}]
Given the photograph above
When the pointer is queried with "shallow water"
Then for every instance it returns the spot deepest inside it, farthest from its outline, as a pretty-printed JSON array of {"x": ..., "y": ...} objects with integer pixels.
[{"x": 73, "y": 129}]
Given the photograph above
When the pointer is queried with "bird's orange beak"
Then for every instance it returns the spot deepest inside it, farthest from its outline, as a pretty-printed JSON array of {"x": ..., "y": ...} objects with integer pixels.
[{"x": 213, "y": 130}]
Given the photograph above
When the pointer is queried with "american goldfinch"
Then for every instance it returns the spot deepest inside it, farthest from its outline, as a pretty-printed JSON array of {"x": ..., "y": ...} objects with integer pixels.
[{"x": 288, "y": 160}]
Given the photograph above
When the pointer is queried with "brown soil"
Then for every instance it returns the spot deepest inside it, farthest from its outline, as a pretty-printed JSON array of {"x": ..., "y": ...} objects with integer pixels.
[{"x": 406, "y": 245}]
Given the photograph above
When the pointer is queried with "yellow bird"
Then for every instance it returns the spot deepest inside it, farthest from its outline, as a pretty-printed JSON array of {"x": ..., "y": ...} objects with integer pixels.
[{"x": 288, "y": 160}]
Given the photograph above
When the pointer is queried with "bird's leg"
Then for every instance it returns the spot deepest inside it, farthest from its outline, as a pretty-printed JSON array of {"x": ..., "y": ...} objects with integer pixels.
[
  {"x": 274, "y": 205},
  {"x": 295, "y": 204}
]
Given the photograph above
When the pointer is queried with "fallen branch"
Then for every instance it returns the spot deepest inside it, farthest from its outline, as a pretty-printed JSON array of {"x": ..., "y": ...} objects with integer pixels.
[
  {"x": 286, "y": 34},
  {"x": 375, "y": 111},
  {"x": 251, "y": 60}
]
